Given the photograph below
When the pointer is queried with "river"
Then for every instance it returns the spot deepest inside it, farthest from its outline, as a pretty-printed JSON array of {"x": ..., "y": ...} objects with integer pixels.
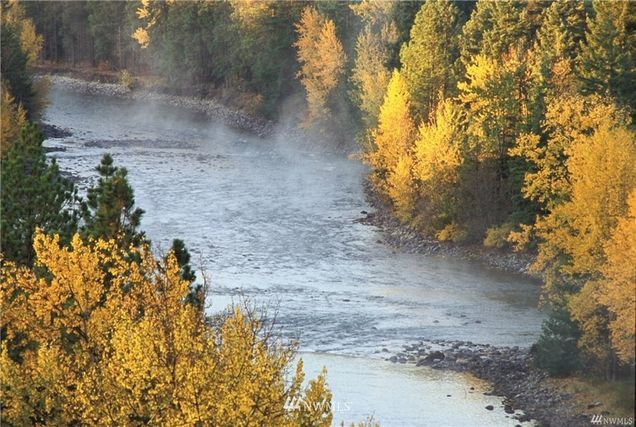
[{"x": 274, "y": 221}]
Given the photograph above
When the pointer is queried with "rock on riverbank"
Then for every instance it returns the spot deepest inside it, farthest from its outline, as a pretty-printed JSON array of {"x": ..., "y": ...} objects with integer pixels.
[
  {"x": 405, "y": 238},
  {"x": 211, "y": 108},
  {"x": 510, "y": 371}
]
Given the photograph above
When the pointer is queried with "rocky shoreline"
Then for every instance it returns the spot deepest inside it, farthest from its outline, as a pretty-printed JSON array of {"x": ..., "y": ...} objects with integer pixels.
[
  {"x": 528, "y": 395},
  {"x": 511, "y": 373},
  {"x": 235, "y": 119},
  {"x": 405, "y": 238}
]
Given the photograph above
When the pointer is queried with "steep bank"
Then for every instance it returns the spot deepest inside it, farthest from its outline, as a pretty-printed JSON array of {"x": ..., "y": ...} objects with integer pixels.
[{"x": 405, "y": 238}]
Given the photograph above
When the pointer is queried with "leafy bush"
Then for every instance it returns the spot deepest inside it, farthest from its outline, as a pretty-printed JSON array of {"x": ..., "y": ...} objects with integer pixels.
[
  {"x": 497, "y": 237},
  {"x": 453, "y": 233}
]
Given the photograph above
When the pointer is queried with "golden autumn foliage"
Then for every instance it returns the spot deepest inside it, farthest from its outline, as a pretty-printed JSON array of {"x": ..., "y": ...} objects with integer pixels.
[
  {"x": 322, "y": 60},
  {"x": 94, "y": 338},
  {"x": 30, "y": 41},
  {"x": 600, "y": 171},
  {"x": 568, "y": 119},
  {"x": 370, "y": 74},
  {"x": 393, "y": 138},
  {"x": 438, "y": 157},
  {"x": 12, "y": 120},
  {"x": 618, "y": 285}
]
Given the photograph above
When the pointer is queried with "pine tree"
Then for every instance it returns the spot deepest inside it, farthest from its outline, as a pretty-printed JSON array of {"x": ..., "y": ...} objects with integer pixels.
[
  {"x": 34, "y": 194},
  {"x": 607, "y": 57},
  {"x": 496, "y": 27},
  {"x": 182, "y": 256},
  {"x": 562, "y": 30},
  {"x": 109, "y": 211},
  {"x": 13, "y": 69},
  {"x": 429, "y": 59}
]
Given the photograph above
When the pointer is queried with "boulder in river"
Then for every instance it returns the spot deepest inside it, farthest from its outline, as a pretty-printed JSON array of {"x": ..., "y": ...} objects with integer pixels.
[{"x": 434, "y": 356}]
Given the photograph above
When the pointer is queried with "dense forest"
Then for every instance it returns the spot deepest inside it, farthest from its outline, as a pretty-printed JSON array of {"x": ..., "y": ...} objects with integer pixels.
[{"x": 507, "y": 124}]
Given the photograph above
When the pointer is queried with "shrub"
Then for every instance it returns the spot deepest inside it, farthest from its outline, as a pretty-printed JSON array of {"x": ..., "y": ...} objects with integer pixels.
[
  {"x": 497, "y": 237},
  {"x": 453, "y": 233}
]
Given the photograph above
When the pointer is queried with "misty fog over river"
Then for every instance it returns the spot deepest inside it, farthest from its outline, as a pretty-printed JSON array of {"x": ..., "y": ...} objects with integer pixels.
[{"x": 274, "y": 220}]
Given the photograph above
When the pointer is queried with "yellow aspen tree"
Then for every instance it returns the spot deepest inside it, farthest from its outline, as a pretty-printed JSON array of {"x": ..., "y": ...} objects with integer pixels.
[
  {"x": 618, "y": 285},
  {"x": 116, "y": 343},
  {"x": 12, "y": 120},
  {"x": 568, "y": 119},
  {"x": 402, "y": 188},
  {"x": 322, "y": 60},
  {"x": 393, "y": 138},
  {"x": 30, "y": 41},
  {"x": 370, "y": 74},
  {"x": 601, "y": 172},
  {"x": 438, "y": 157}
]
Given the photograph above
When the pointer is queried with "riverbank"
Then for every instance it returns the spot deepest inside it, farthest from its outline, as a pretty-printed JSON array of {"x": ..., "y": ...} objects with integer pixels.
[
  {"x": 216, "y": 111},
  {"x": 407, "y": 239},
  {"x": 529, "y": 393}
]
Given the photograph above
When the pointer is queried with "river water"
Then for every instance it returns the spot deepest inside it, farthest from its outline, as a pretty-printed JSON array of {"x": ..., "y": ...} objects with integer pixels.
[{"x": 274, "y": 221}]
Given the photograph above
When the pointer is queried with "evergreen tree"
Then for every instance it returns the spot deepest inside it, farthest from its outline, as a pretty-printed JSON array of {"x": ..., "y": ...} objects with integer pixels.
[
  {"x": 109, "y": 211},
  {"x": 562, "y": 30},
  {"x": 34, "y": 194},
  {"x": 429, "y": 59},
  {"x": 182, "y": 256},
  {"x": 106, "y": 23},
  {"x": 556, "y": 349},
  {"x": 607, "y": 56},
  {"x": 13, "y": 68},
  {"x": 495, "y": 27}
]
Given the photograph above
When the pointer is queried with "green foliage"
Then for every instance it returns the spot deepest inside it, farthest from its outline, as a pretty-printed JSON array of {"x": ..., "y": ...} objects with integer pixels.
[
  {"x": 195, "y": 295},
  {"x": 429, "y": 59},
  {"x": 109, "y": 211},
  {"x": 13, "y": 68},
  {"x": 556, "y": 350},
  {"x": 607, "y": 56},
  {"x": 106, "y": 22},
  {"x": 34, "y": 194}
]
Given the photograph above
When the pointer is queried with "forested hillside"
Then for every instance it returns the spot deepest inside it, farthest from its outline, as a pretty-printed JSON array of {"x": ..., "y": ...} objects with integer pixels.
[{"x": 508, "y": 124}]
